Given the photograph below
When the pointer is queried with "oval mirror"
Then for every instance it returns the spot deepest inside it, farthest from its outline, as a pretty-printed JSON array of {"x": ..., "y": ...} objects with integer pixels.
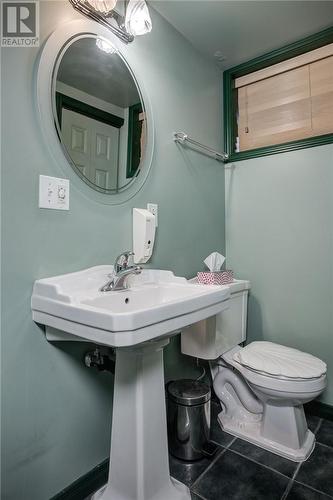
[{"x": 99, "y": 113}]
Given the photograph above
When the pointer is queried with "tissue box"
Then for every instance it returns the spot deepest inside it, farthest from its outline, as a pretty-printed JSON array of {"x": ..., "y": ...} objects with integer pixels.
[{"x": 216, "y": 278}]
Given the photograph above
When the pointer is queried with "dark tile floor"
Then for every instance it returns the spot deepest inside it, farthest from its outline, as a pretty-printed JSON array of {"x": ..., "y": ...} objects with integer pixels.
[{"x": 242, "y": 471}]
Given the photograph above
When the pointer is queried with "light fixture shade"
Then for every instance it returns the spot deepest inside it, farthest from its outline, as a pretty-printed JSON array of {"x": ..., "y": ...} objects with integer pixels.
[
  {"x": 102, "y": 6},
  {"x": 137, "y": 20}
]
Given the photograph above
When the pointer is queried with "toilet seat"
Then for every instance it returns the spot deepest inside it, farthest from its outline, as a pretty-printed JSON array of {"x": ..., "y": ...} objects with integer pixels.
[
  {"x": 275, "y": 360},
  {"x": 280, "y": 383}
]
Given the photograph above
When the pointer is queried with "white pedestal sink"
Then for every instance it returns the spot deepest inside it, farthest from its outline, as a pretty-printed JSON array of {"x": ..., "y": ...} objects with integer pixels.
[{"x": 138, "y": 322}]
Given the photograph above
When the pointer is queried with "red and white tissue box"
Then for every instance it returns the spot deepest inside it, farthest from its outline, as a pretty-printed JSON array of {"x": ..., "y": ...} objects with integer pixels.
[{"x": 216, "y": 278}]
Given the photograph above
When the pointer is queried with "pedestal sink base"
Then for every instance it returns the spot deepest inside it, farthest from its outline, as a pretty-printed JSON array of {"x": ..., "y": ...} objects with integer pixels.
[
  {"x": 139, "y": 461},
  {"x": 177, "y": 491}
]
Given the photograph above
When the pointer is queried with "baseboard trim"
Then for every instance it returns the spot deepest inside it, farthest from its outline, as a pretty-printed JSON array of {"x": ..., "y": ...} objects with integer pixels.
[
  {"x": 85, "y": 485},
  {"x": 319, "y": 409}
]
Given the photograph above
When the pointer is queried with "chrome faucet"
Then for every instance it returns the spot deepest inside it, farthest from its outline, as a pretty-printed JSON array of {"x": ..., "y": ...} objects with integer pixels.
[{"x": 123, "y": 268}]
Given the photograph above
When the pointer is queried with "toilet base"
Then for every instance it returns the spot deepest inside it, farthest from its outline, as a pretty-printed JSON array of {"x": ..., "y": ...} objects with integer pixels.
[{"x": 251, "y": 432}]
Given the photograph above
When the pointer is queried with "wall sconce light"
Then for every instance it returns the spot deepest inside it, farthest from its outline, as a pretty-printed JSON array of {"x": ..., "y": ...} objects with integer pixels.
[
  {"x": 103, "y": 6},
  {"x": 136, "y": 20}
]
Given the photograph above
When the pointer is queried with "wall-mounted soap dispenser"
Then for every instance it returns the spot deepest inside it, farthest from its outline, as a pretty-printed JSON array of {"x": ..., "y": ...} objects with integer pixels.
[{"x": 143, "y": 235}]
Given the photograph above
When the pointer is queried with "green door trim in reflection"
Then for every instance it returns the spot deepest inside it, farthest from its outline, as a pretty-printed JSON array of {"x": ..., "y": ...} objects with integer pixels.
[
  {"x": 134, "y": 140},
  {"x": 63, "y": 101}
]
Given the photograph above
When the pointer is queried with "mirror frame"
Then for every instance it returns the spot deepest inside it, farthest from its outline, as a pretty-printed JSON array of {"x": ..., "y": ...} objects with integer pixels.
[{"x": 48, "y": 61}]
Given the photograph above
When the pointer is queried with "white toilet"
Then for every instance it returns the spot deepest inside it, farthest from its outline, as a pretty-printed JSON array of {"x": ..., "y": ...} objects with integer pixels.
[{"x": 262, "y": 387}]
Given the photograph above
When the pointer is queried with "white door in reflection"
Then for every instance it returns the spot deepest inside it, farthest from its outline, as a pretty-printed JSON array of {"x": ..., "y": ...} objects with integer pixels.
[{"x": 93, "y": 147}]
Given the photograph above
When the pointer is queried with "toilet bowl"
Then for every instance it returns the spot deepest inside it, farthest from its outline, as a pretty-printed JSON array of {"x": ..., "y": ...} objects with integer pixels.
[
  {"x": 275, "y": 418},
  {"x": 261, "y": 387}
]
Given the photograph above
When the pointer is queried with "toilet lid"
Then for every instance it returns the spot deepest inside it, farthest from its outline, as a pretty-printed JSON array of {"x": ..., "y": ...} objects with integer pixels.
[{"x": 280, "y": 361}]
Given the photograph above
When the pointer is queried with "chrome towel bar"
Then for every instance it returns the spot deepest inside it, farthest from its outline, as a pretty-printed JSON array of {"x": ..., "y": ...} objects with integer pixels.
[{"x": 182, "y": 138}]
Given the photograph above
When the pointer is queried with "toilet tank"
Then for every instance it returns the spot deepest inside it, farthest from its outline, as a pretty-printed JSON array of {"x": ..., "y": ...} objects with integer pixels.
[{"x": 212, "y": 337}]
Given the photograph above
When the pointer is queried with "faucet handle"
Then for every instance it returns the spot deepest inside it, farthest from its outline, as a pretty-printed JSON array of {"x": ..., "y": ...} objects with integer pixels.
[{"x": 123, "y": 261}]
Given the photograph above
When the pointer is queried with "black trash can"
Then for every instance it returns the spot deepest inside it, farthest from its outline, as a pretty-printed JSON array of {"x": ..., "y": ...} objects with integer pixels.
[{"x": 188, "y": 410}]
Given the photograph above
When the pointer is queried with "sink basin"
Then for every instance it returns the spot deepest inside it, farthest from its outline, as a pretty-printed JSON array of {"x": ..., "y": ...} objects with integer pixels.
[
  {"x": 157, "y": 303},
  {"x": 138, "y": 322}
]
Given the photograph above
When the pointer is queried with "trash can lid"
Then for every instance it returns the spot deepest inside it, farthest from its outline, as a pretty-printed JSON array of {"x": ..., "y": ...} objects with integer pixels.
[{"x": 189, "y": 392}]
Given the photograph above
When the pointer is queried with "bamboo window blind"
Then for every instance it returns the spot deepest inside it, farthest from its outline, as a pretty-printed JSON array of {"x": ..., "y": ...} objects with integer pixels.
[{"x": 286, "y": 102}]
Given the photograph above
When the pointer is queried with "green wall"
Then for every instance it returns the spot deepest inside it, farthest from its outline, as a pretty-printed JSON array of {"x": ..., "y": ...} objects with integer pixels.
[
  {"x": 55, "y": 412},
  {"x": 279, "y": 235}
]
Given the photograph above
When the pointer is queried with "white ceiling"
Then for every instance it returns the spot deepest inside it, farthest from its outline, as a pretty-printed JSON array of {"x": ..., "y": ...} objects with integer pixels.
[{"x": 241, "y": 30}]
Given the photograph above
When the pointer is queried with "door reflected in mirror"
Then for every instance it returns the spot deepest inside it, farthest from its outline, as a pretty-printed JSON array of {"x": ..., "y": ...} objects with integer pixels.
[{"x": 99, "y": 114}]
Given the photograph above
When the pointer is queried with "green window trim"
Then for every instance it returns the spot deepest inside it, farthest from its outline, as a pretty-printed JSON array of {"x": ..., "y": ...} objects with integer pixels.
[{"x": 229, "y": 102}]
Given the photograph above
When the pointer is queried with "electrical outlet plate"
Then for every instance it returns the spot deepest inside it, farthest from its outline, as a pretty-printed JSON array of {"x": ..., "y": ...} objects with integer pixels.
[
  {"x": 53, "y": 193},
  {"x": 153, "y": 208}
]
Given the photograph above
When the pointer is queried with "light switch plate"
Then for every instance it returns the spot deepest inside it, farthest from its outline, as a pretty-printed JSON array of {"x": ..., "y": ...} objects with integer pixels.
[{"x": 53, "y": 193}]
